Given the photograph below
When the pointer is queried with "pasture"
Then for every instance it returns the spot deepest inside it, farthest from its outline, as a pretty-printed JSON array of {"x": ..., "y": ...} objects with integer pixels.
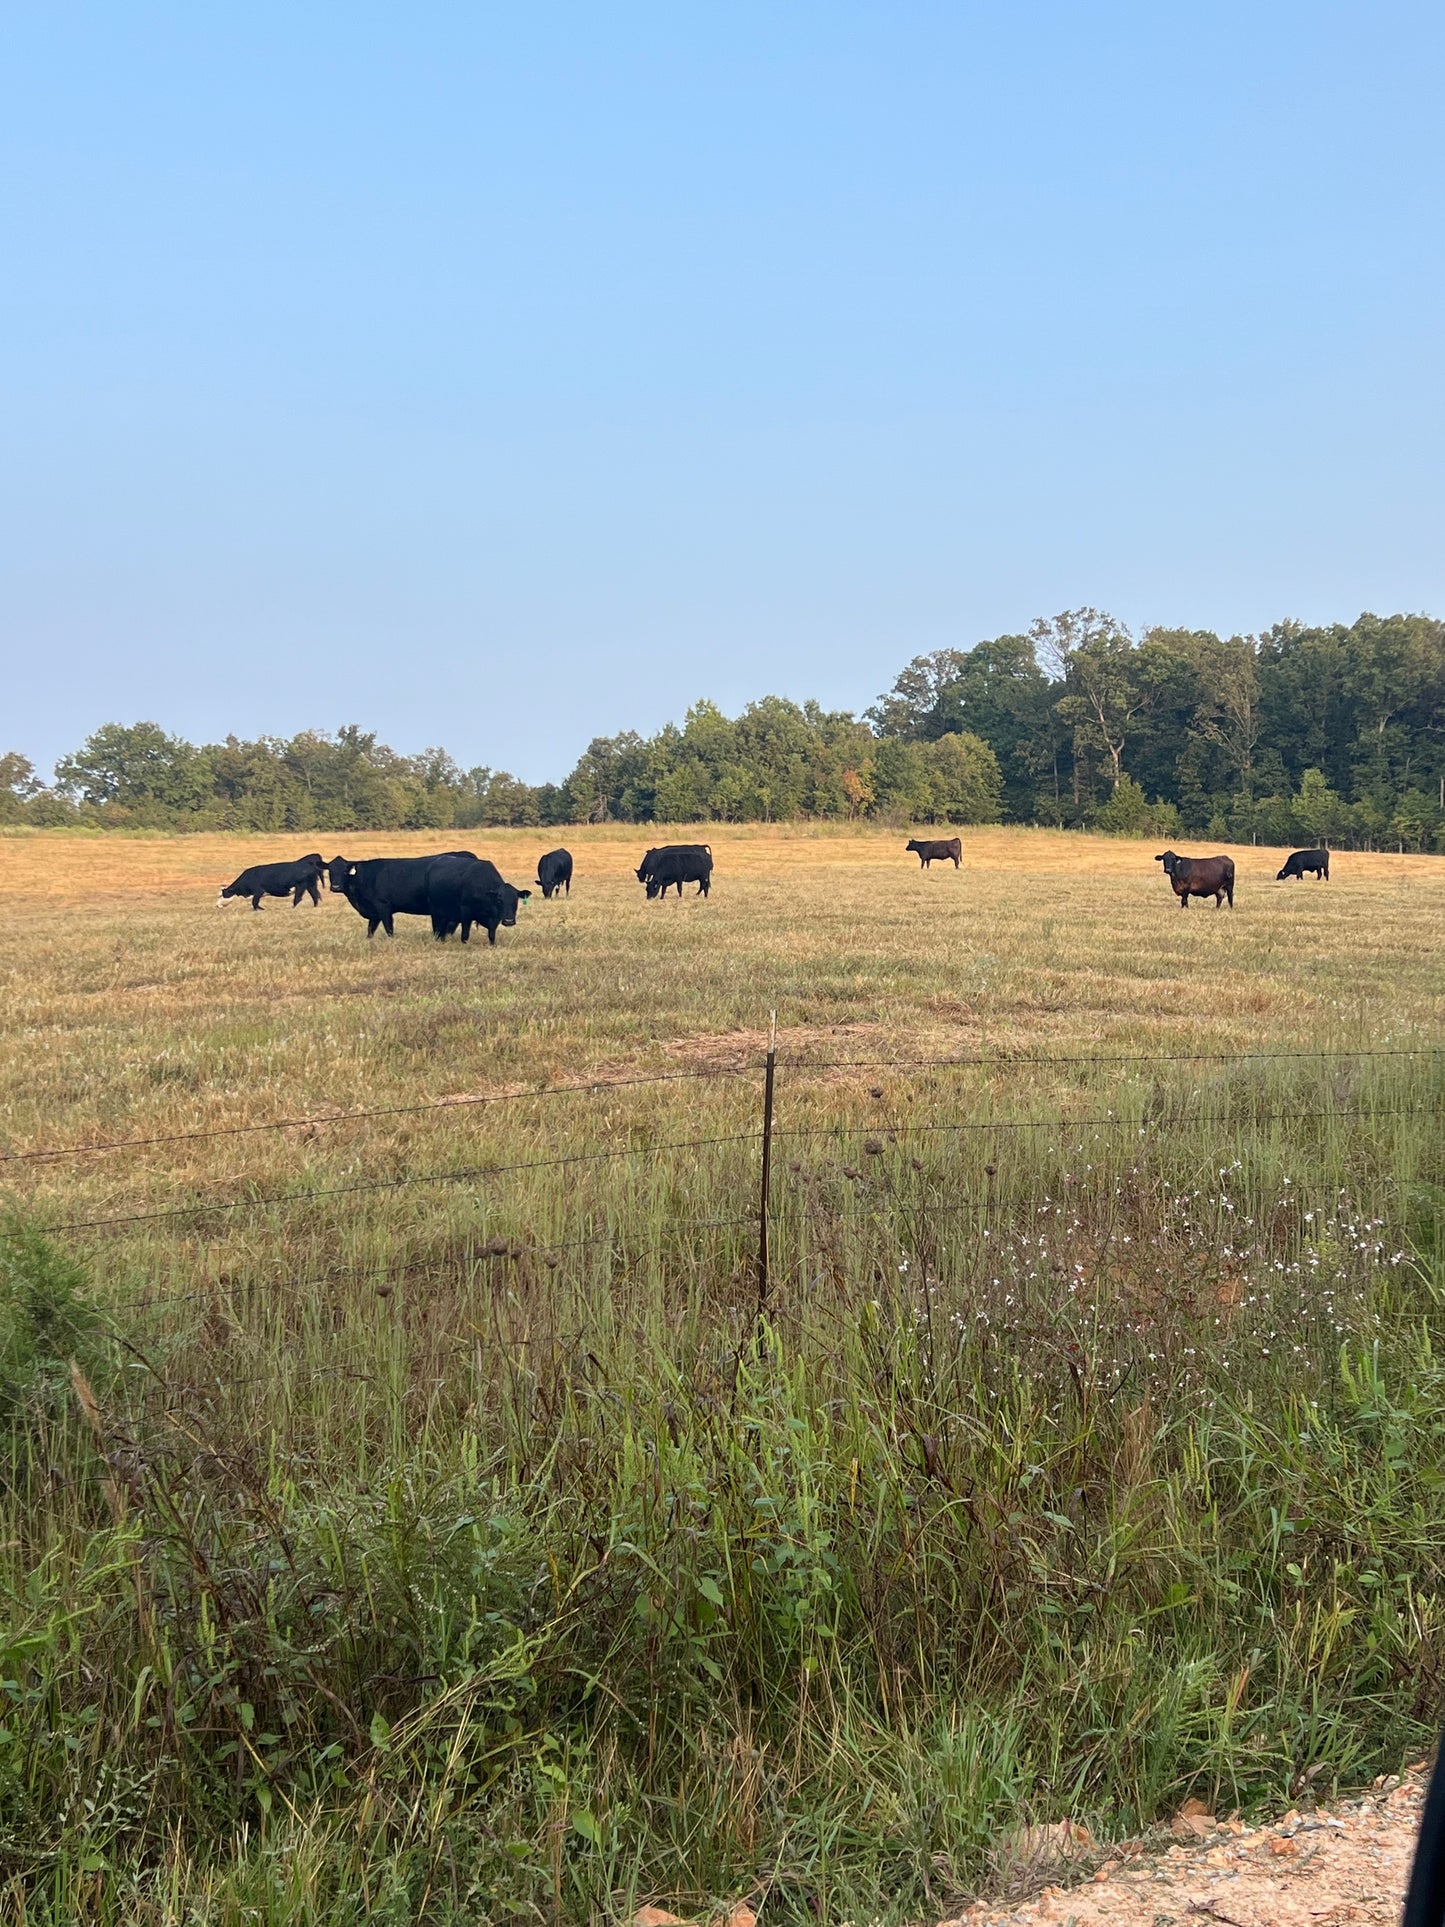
[{"x": 411, "y": 1516}]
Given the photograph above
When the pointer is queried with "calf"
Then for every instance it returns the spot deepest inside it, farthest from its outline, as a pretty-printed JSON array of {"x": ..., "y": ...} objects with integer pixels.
[
  {"x": 468, "y": 890},
  {"x": 941, "y": 847},
  {"x": 554, "y": 872},
  {"x": 1199, "y": 876},
  {"x": 292, "y": 880},
  {"x": 1302, "y": 860},
  {"x": 677, "y": 863},
  {"x": 382, "y": 887}
]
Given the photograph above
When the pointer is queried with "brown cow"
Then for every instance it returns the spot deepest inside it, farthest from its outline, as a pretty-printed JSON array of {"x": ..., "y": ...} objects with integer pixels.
[
  {"x": 1200, "y": 876},
  {"x": 941, "y": 847}
]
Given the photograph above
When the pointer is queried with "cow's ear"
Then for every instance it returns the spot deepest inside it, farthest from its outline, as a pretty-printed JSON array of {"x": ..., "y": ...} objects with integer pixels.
[{"x": 525, "y": 895}]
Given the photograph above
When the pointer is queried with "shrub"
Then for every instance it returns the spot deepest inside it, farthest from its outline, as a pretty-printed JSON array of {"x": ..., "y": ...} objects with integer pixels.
[{"x": 1129, "y": 812}]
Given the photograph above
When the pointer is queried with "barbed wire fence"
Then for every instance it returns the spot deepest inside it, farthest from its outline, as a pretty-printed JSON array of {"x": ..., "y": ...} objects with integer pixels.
[{"x": 765, "y": 1136}]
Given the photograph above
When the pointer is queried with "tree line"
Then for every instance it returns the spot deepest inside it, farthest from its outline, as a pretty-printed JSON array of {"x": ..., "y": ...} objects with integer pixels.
[{"x": 1332, "y": 734}]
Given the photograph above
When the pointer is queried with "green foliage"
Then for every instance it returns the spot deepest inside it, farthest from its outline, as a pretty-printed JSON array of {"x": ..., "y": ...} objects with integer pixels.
[
  {"x": 45, "y": 1321},
  {"x": 1334, "y": 734},
  {"x": 1128, "y": 812},
  {"x": 140, "y": 769},
  {"x": 1331, "y": 734},
  {"x": 1138, "y": 1499}
]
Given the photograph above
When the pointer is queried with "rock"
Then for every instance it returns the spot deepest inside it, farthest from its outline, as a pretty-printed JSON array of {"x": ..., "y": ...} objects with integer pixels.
[
  {"x": 1193, "y": 1820},
  {"x": 656, "y": 1917}
]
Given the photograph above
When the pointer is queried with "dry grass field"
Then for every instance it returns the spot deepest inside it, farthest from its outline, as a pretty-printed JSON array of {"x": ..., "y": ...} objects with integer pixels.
[{"x": 408, "y": 1516}]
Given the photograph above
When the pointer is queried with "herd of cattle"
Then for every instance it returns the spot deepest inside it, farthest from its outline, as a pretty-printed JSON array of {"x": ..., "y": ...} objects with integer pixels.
[{"x": 458, "y": 889}]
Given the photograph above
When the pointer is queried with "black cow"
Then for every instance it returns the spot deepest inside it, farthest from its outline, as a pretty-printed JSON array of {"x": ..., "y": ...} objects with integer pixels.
[
  {"x": 292, "y": 880},
  {"x": 382, "y": 887},
  {"x": 1199, "y": 876},
  {"x": 554, "y": 872},
  {"x": 468, "y": 890},
  {"x": 941, "y": 847},
  {"x": 1302, "y": 860},
  {"x": 677, "y": 863}
]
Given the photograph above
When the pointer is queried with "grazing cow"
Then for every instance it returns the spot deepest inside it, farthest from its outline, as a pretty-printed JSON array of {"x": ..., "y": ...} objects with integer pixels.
[
  {"x": 1302, "y": 860},
  {"x": 468, "y": 890},
  {"x": 382, "y": 887},
  {"x": 677, "y": 863},
  {"x": 554, "y": 872},
  {"x": 292, "y": 880},
  {"x": 1200, "y": 876},
  {"x": 941, "y": 847}
]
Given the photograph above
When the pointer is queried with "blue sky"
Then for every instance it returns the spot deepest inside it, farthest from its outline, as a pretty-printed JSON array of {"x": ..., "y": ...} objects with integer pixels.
[{"x": 498, "y": 377}]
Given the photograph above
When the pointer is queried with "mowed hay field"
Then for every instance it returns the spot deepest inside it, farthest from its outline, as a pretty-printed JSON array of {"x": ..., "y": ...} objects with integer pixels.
[{"x": 414, "y": 1516}]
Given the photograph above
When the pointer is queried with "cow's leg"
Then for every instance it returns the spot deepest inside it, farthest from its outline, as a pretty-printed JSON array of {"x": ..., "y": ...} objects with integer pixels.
[
  {"x": 956, "y": 862},
  {"x": 466, "y": 929},
  {"x": 569, "y": 886},
  {"x": 315, "y": 890},
  {"x": 491, "y": 933},
  {"x": 256, "y": 902},
  {"x": 372, "y": 925}
]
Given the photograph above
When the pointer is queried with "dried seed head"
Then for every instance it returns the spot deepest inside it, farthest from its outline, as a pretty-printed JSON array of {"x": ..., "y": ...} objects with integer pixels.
[
  {"x": 383, "y": 1291},
  {"x": 876, "y": 1091},
  {"x": 873, "y": 1146},
  {"x": 551, "y": 1261}
]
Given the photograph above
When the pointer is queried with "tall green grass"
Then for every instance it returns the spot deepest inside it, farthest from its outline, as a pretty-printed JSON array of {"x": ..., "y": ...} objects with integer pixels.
[{"x": 476, "y": 1551}]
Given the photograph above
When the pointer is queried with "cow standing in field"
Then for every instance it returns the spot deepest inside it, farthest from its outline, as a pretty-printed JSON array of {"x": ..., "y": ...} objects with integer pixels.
[
  {"x": 1199, "y": 876},
  {"x": 382, "y": 887},
  {"x": 677, "y": 863},
  {"x": 1302, "y": 860},
  {"x": 940, "y": 847},
  {"x": 554, "y": 872},
  {"x": 292, "y": 880},
  {"x": 468, "y": 890}
]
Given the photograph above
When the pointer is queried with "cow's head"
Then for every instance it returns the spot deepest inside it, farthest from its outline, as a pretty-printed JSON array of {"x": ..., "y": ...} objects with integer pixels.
[
  {"x": 315, "y": 861},
  {"x": 653, "y": 886},
  {"x": 644, "y": 869},
  {"x": 1170, "y": 862},
  {"x": 225, "y": 896},
  {"x": 499, "y": 908},
  {"x": 340, "y": 874},
  {"x": 915, "y": 846}
]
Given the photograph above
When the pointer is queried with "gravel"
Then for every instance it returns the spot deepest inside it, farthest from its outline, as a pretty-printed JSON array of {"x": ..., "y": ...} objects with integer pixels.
[{"x": 1324, "y": 1868}]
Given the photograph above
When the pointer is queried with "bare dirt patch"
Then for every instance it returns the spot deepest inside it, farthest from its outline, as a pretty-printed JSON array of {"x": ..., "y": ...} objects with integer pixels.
[{"x": 1327, "y": 1868}]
